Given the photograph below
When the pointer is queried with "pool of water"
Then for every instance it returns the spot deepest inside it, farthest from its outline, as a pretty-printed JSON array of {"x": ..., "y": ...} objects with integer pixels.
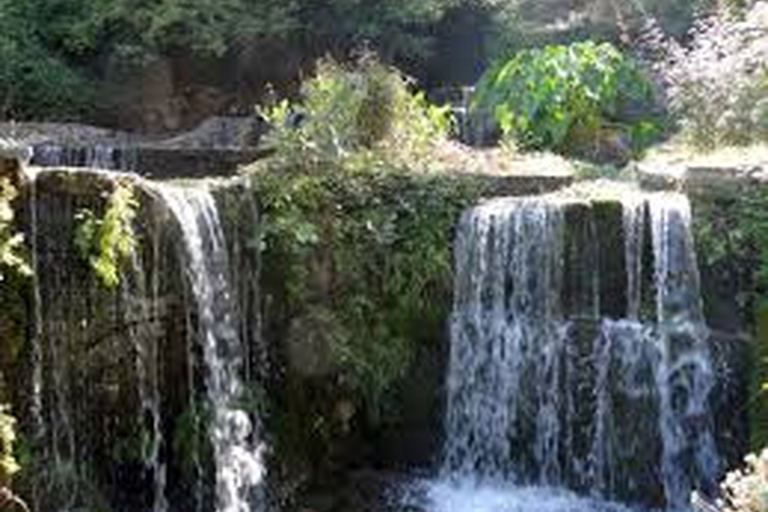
[{"x": 458, "y": 496}]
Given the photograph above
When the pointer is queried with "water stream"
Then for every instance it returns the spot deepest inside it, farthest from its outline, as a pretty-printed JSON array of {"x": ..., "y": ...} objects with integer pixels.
[
  {"x": 237, "y": 446},
  {"x": 561, "y": 394}
]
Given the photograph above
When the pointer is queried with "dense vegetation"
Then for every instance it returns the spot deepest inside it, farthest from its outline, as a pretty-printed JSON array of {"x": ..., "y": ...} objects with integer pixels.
[
  {"x": 53, "y": 51},
  {"x": 357, "y": 246},
  {"x": 708, "y": 90},
  {"x": 365, "y": 110},
  {"x": 57, "y": 54},
  {"x": 338, "y": 191},
  {"x": 357, "y": 224},
  {"x": 364, "y": 258},
  {"x": 14, "y": 271}
]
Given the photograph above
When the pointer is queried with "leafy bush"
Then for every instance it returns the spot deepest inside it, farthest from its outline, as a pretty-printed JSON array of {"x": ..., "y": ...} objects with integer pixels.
[
  {"x": 568, "y": 98},
  {"x": 357, "y": 244},
  {"x": 366, "y": 108},
  {"x": 717, "y": 84},
  {"x": 366, "y": 254}
]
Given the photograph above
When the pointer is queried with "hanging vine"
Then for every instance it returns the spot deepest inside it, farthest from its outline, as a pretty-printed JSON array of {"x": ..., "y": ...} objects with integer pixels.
[{"x": 107, "y": 242}]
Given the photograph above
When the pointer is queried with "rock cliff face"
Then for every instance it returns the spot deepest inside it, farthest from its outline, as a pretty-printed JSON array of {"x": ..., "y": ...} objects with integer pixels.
[
  {"x": 177, "y": 92},
  {"x": 216, "y": 147}
]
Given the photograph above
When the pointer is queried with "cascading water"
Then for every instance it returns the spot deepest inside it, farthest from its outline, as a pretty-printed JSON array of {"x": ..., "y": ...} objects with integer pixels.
[
  {"x": 579, "y": 358},
  {"x": 684, "y": 375},
  {"x": 38, "y": 433},
  {"x": 237, "y": 447},
  {"x": 142, "y": 320},
  {"x": 137, "y": 390}
]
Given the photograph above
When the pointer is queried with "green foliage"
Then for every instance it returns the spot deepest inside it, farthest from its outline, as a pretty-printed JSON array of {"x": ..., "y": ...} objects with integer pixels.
[
  {"x": 395, "y": 28},
  {"x": 367, "y": 108},
  {"x": 736, "y": 226},
  {"x": 758, "y": 381},
  {"x": 359, "y": 243},
  {"x": 190, "y": 436},
  {"x": 565, "y": 97},
  {"x": 53, "y": 52},
  {"x": 366, "y": 253},
  {"x": 730, "y": 231},
  {"x": 109, "y": 241},
  {"x": 34, "y": 80},
  {"x": 8, "y": 464},
  {"x": 11, "y": 242}
]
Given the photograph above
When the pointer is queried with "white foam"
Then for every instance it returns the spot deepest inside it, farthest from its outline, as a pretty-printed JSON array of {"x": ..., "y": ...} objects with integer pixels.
[{"x": 465, "y": 496}]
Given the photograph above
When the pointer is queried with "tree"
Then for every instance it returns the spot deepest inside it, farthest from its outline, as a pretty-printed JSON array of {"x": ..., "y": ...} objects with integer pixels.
[{"x": 54, "y": 51}]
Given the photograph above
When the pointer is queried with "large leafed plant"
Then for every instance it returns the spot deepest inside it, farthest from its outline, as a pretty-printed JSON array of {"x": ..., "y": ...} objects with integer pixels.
[{"x": 567, "y": 97}]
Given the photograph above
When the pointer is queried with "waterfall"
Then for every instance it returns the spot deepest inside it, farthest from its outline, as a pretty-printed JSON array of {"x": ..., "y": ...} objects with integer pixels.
[
  {"x": 685, "y": 374},
  {"x": 236, "y": 443},
  {"x": 137, "y": 391},
  {"x": 141, "y": 316},
  {"x": 572, "y": 365},
  {"x": 35, "y": 412},
  {"x": 97, "y": 156}
]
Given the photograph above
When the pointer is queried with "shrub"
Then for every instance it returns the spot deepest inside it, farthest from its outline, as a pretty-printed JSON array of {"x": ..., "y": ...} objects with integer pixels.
[
  {"x": 716, "y": 85},
  {"x": 364, "y": 258},
  {"x": 367, "y": 108},
  {"x": 568, "y": 98}
]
